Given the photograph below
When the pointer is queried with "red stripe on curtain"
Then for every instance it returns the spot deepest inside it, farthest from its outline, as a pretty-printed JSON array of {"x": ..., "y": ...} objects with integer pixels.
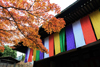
[
  {"x": 51, "y": 45},
  {"x": 30, "y": 56},
  {"x": 87, "y": 30}
]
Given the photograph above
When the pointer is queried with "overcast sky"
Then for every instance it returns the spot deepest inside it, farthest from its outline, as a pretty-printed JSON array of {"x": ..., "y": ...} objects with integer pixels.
[{"x": 63, "y": 4}]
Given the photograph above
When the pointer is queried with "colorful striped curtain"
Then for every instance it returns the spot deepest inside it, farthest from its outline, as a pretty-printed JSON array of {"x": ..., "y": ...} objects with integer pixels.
[{"x": 78, "y": 34}]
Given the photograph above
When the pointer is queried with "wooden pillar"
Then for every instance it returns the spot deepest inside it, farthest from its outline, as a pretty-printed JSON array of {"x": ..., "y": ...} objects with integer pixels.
[
  {"x": 7, "y": 64},
  {"x": 0, "y": 62},
  {"x": 14, "y": 64}
]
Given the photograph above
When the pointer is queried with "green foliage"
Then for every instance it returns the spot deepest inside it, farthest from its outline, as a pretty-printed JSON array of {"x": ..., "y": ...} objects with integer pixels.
[
  {"x": 9, "y": 52},
  {"x": 23, "y": 58}
]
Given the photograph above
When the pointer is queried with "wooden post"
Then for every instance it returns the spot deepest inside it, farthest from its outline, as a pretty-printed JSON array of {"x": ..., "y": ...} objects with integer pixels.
[
  {"x": 14, "y": 64},
  {"x": 7, "y": 64}
]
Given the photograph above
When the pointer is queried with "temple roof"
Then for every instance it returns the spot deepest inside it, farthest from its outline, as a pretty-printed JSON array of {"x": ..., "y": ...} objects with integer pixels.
[{"x": 9, "y": 60}]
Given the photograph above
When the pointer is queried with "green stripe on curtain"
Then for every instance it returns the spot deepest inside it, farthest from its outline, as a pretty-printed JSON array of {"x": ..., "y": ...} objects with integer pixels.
[
  {"x": 37, "y": 55},
  {"x": 62, "y": 40}
]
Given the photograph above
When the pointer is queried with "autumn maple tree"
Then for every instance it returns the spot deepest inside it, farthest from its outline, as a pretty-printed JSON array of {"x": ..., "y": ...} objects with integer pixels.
[{"x": 20, "y": 21}]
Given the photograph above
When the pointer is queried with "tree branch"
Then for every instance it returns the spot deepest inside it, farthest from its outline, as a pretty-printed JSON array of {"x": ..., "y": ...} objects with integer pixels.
[
  {"x": 6, "y": 18},
  {"x": 21, "y": 31},
  {"x": 7, "y": 30},
  {"x": 31, "y": 5},
  {"x": 14, "y": 8},
  {"x": 22, "y": 9},
  {"x": 37, "y": 16}
]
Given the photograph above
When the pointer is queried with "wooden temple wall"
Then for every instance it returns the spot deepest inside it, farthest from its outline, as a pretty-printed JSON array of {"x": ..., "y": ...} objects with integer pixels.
[{"x": 69, "y": 47}]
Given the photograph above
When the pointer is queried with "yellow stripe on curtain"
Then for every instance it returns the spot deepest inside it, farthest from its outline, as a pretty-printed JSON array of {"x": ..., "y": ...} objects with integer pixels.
[
  {"x": 95, "y": 18},
  {"x": 57, "y": 43},
  {"x": 34, "y": 54}
]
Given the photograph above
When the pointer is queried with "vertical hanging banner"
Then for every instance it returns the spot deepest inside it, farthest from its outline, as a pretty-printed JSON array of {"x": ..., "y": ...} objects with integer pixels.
[
  {"x": 37, "y": 55},
  {"x": 62, "y": 40},
  {"x": 95, "y": 18},
  {"x": 78, "y": 34},
  {"x": 41, "y": 53},
  {"x": 70, "y": 42},
  {"x": 46, "y": 44},
  {"x": 26, "y": 54},
  {"x": 57, "y": 43},
  {"x": 34, "y": 54},
  {"x": 87, "y": 30},
  {"x": 30, "y": 55},
  {"x": 51, "y": 45}
]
